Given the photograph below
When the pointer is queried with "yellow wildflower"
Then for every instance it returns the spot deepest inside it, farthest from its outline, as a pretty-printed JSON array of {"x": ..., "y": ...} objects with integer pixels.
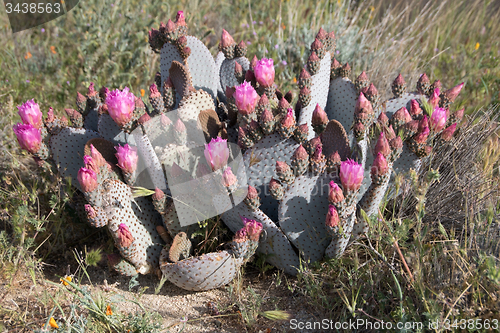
[
  {"x": 294, "y": 80},
  {"x": 476, "y": 47},
  {"x": 283, "y": 26},
  {"x": 66, "y": 279},
  {"x": 109, "y": 312},
  {"x": 53, "y": 49},
  {"x": 28, "y": 55},
  {"x": 52, "y": 323},
  {"x": 372, "y": 8},
  {"x": 142, "y": 92}
]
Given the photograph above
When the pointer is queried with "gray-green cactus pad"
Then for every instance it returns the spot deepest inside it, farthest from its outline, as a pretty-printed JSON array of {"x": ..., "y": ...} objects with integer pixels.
[
  {"x": 141, "y": 218},
  {"x": 67, "y": 149},
  {"x": 395, "y": 104},
  {"x": 408, "y": 160},
  {"x": 110, "y": 131},
  {"x": 260, "y": 162},
  {"x": 172, "y": 223},
  {"x": 273, "y": 241},
  {"x": 204, "y": 272},
  {"x": 218, "y": 63},
  {"x": 91, "y": 120},
  {"x": 319, "y": 93},
  {"x": 227, "y": 76},
  {"x": 342, "y": 98},
  {"x": 200, "y": 62},
  {"x": 302, "y": 214}
]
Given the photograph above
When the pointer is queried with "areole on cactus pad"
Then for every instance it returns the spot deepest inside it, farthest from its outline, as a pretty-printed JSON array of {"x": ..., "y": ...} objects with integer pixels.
[{"x": 221, "y": 140}]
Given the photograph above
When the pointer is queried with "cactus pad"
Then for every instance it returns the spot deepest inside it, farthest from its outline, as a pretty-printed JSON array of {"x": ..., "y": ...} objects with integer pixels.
[
  {"x": 342, "y": 98},
  {"x": 334, "y": 138},
  {"x": 227, "y": 77}
]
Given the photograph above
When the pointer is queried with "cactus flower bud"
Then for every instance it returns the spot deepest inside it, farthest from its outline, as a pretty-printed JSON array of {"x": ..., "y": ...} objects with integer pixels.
[
  {"x": 217, "y": 153},
  {"x": 402, "y": 115},
  {"x": 300, "y": 153},
  {"x": 415, "y": 109},
  {"x": 30, "y": 113},
  {"x": 319, "y": 116},
  {"x": 380, "y": 166},
  {"x": 159, "y": 194},
  {"x": 447, "y": 133},
  {"x": 438, "y": 119},
  {"x": 246, "y": 98},
  {"x": 459, "y": 115},
  {"x": 180, "y": 19},
  {"x": 125, "y": 238},
  {"x": 396, "y": 143},
  {"x": 121, "y": 105},
  {"x": 179, "y": 126},
  {"x": 335, "y": 195},
  {"x": 452, "y": 93},
  {"x": 87, "y": 179},
  {"x": 165, "y": 121},
  {"x": 351, "y": 175},
  {"x": 363, "y": 104},
  {"x": 383, "y": 119},
  {"x": 434, "y": 99},
  {"x": 226, "y": 39},
  {"x": 389, "y": 133},
  {"x": 170, "y": 27},
  {"x": 332, "y": 217},
  {"x": 421, "y": 136},
  {"x": 264, "y": 72},
  {"x": 289, "y": 119},
  {"x": 127, "y": 158},
  {"x": 228, "y": 178},
  {"x": 29, "y": 137},
  {"x": 382, "y": 145}
]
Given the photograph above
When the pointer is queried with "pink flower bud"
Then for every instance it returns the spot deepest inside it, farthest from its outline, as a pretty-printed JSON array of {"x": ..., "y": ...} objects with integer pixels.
[
  {"x": 422, "y": 135},
  {"x": 434, "y": 99},
  {"x": 29, "y": 137},
  {"x": 402, "y": 115},
  {"x": 389, "y": 133},
  {"x": 266, "y": 115},
  {"x": 300, "y": 153},
  {"x": 125, "y": 238},
  {"x": 170, "y": 27},
  {"x": 289, "y": 119},
  {"x": 415, "y": 109},
  {"x": 165, "y": 121},
  {"x": 336, "y": 195},
  {"x": 318, "y": 153},
  {"x": 226, "y": 39},
  {"x": 87, "y": 179},
  {"x": 459, "y": 114},
  {"x": 159, "y": 194},
  {"x": 264, "y": 72},
  {"x": 121, "y": 105},
  {"x": 246, "y": 98},
  {"x": 363, "y": 104},
  {"x": 319, "y": 116},
  {"x": 127, "y": 158},
  {"x": 382, "y": 145},
  {"x": 252, "y": 192},
  {"x": 217, "y": 153},
  {"x": 351, "y": 175},
  {"x": 179, "y": 126},
  {"x": 424, "y": 122},
  {"x": 379, "y": 166},
  {"x": 228, "y": 177},
  {"x": 438, "y": 119},
  {"x": 30, "y": 113},
  {"x": 383, "y": 119},
  {"x": 453, "y": 92},
  {"x": 447, "y": 133},
  {"x": 332, "y": 217},
  {"x": 179, "y": 19},
  {"x": 90, "y": 164}
]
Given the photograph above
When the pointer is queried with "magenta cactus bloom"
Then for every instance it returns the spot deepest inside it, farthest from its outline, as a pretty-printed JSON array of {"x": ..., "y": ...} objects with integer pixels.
[
  {"x": 351, "y": 175},
  {"x": 29, "y": 137},
  {"x": 253, "y": 228},
  {"x": 228, "y": 177},
  {"x": 217, "y": 153},
  {"x": 127, "y": 158},
  {"x": 332, "y": 217},
  {"x": 180, "y": 19},
  {"x": 264, "y": 72},
  {"x": 125, "y": 238},
  {"x": 30, "y": 113},
  {"x": 246, "y": 98},
  {"x": 121, "y": 105},
  {"x": 87, "y": 179},
  {"x": 438, "y": 119}
]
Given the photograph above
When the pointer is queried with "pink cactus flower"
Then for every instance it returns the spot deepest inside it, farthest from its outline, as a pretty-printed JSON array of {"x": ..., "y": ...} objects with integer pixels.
[
  {"x": 240, "y": 236},
  {"x": 253, "y": 228},
  {"x": 217, "y": 153},
  {"x": 121, "y": 105},
  {"x": 180, "y": 19},
  {"x": 438, "y": 119},
  {"x": 127, "y": 158},
  {"x": 30, "y": 113},
  {"x": 29, "y": 137},
  {"x": 351, "y": 175},
  {"x": 87, "y": 179},
  {"x": 90, "y": 163},
  {"x": 228, "y": 177},
  {"x": 125, "y": 238},
  {"x": 264, "y": 72},
  {"x": 332, "y": 217},
  {"x": 246, "y": 98}
]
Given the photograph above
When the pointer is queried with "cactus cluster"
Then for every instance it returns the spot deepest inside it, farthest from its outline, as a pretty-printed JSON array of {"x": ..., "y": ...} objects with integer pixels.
[{"x": 305, "y": 175}]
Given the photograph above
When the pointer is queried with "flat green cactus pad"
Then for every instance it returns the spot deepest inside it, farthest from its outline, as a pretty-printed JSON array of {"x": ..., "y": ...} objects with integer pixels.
[
  {"x": 110, "y": 131},
  {"x": 395, "y": 104},
  {"x": 319, "y": 93},
  {"x": 227, "y": 77},
  {"x": 302, "y": 215},
  {"x": 68, "y": 148}
]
